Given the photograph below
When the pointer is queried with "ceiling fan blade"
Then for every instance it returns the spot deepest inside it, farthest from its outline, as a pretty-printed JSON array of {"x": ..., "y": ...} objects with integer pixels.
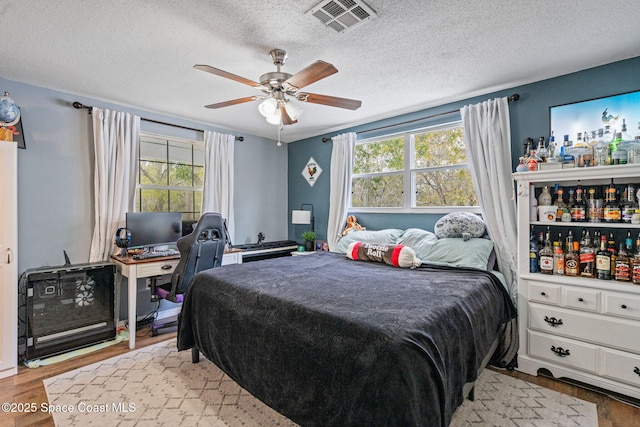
[
  {"x": 314, "y": 72},
  {"x": 227, "y": 75},
  {"x": 232, "y": 102},
  {"x": 286, "y": 118},
  {"x": 332, "y": 101}
]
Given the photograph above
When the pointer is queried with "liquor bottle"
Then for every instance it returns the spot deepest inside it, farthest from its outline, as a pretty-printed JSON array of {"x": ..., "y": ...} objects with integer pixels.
[
  {"x": 636, "y": 263},
  {"x": 571, "y": 258},
  {"x": 546, "y": 256},
  {"x": 624, "y": 260},
  {"x": 544, "y": 199},
  {"x": 603, "y": 260},
  {"x": 567, "y": 158},
  {"x": 606, "y": 138},
  {"x": 587, "y": 258},
  {"x": 611, "y": 247},
  {"x": 558, "y": 256},
  {"x": 618, "y": 155},
  {"x": 579, "y": 207},
  {"x": 611, "y": 206},
  {"x": 533, "y": 253},
  {"x": 561, "y": 206},
  {"x": 594, "y": 207},
  {"x": 628, "y": 206}
]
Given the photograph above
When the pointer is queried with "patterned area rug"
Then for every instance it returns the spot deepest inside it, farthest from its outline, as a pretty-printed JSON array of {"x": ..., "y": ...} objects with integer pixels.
[{"x": 159, "y": 386}]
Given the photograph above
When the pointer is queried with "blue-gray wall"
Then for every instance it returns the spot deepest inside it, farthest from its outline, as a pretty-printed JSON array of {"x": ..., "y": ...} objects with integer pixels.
[
  {"x": 529, "y": 118},
  {"x": 55, "y": 180}
]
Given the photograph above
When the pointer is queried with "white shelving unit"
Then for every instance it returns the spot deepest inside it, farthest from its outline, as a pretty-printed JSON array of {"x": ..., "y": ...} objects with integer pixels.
[
  {"x": 8, "y": 259},
  {"x": 580, "y": 328}
]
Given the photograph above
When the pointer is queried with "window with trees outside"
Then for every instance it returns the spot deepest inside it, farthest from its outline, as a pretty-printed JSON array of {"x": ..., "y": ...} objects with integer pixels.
[
  {"x": 424, "y": 170},
  {"x": 170, "y": 176}
]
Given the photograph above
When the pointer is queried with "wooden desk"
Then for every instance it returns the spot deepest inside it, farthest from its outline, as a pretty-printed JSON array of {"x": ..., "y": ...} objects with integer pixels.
[{"x": 134, "y": 269}]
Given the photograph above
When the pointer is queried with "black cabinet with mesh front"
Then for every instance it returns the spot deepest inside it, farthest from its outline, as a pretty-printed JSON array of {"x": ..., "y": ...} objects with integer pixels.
[{"x": 68, "y": 307}]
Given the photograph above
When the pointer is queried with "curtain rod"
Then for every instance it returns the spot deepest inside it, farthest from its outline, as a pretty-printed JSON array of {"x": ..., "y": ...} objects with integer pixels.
[
  {"x": 77, "y": 105},
  {"x": 511, "y": 98}
]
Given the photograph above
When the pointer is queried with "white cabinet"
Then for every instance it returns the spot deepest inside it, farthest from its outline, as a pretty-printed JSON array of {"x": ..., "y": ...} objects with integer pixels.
[
  {"x": 575, "y": 327},
  {"x": 8, "y": 259}
]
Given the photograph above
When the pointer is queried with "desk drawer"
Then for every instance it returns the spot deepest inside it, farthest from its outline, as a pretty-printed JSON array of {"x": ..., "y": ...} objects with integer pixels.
[
  {"x": 158, "y": 268},
  {"x": 545, "y": 293},
  {"x": 621, "y": 366}
]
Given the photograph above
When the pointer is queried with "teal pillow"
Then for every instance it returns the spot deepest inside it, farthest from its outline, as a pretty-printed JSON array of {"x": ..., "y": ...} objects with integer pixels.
[
  {"x": 458, "y": 252},
  {"x": 417, "y": 239},
  {"x": 387, "y": 236}
]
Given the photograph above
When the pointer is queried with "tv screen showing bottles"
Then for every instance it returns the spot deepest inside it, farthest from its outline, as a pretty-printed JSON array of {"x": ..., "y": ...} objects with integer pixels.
[{"x": 151, "y": 229}]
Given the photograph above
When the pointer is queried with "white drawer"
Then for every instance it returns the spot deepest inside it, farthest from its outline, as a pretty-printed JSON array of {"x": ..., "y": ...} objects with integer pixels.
[
  {"x": 597, "y": 329},
  {"x": 622, "y": 305},
  {"x": 621, "y": 366},
  {"x": 157, "y": 268},
  {"x": 563, "y": 351},
  {"x": 582, "y": 299},
  {"x": 545, "y": 293}
]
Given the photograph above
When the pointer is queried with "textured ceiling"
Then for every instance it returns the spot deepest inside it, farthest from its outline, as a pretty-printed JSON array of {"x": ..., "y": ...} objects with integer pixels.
[{"x": 415, "y": 54}]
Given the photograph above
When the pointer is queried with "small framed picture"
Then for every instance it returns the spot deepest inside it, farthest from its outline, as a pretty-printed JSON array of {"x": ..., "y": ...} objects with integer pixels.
[{"x": 322, "y": 245}]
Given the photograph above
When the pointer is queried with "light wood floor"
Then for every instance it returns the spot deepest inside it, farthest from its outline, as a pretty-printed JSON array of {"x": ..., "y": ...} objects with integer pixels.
[{"x": 27, "y": 387}]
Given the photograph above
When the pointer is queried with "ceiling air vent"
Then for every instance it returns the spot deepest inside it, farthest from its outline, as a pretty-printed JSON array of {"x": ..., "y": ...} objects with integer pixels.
[{"x": 342, "y": 15}]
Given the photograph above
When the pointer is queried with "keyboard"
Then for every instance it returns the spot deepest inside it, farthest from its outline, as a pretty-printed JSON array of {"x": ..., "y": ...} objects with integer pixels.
[{"x": 156, "y": 254}]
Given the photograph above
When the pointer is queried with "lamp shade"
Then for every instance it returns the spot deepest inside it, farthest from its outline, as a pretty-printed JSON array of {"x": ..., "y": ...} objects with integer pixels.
[
  {"x": 301, "y": 217},
  {"x": 268, "y": 107},
  {"x": 293, "y": 110}
]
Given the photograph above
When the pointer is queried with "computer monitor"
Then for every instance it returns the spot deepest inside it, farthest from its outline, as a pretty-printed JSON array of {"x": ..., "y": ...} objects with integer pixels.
[{"x": 151, "y": 229}]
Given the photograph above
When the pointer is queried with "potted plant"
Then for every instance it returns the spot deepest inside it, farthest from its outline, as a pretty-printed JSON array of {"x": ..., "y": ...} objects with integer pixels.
[{"x": 309, "y": 237}]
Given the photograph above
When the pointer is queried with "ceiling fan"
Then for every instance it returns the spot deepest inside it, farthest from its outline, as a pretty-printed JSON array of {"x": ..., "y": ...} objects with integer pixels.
[{"x": 277, "y": 86}]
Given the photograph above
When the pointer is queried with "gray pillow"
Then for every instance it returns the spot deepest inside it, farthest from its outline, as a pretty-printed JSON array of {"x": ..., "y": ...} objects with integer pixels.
[{"x": 459, "y": 224}]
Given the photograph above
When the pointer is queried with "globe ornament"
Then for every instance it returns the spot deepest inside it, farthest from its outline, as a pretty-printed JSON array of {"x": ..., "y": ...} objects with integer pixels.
[
  {"x": 9, "y": 116},
  {"x": 9, "y": 111}
]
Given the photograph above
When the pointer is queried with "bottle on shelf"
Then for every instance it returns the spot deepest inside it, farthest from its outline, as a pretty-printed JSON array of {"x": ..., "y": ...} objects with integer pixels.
[
  {"x": 587, "y": 258},
  {"x": 618, "y": 155},
  {"x": 635, "y": 275},
  {"x": 594, "y": 206},
  {"x": 628, "y": 206},
  {"x": 571, "y": 258},
  {"x": 546, "y": 255},
  {"x": 565, "y": 153},
  {"x": 561, "y": 206},
  {"x": 607, "y": 138},
  {"x": 611, "y": 207},
  {"x": 558, "y": 256},
  {"x": 611, "y": 247},
  {"x": 533, "y": 253},
  {"x": 578, "y": 208},
  {"x": 603, "y": 260},
  {"x": 624, "y": 260},
  {"x": 544, "y": 199}
]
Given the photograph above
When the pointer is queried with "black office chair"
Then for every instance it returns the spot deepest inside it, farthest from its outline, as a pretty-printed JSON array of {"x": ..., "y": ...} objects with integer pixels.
[{"x": 201, "y": 250}]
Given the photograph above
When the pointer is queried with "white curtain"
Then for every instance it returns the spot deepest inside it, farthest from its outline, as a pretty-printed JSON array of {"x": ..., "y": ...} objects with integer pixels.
[
  {"x": 340, "y": 192},
  {"x": 116, "y": 138},
  {"x": 217, "y": 190},
  {"x": 487, "y": 135}
]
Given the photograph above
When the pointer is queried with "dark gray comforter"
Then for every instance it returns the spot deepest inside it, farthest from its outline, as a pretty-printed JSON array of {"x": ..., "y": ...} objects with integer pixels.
[{"x": 328, "y": 341}]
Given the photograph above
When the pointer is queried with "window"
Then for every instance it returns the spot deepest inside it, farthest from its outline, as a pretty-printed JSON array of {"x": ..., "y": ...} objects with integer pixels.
[
  {"x": 171, "y": 175},
  {"x": 423, "y": 170}
]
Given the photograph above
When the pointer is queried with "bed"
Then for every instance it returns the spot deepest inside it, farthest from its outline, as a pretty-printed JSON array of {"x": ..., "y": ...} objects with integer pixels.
[{"x": 328, "y": 341}]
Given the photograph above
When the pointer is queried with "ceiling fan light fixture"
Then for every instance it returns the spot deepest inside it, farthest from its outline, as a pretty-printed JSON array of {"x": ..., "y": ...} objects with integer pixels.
[
  {"x": 274, "y": 118},
  {"x": 268, "y": 107},
  {"x": 293, "y": 110}
]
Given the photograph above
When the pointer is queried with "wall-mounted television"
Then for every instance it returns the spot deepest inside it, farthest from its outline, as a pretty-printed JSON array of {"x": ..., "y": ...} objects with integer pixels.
[{"x": 151, "y": 229}]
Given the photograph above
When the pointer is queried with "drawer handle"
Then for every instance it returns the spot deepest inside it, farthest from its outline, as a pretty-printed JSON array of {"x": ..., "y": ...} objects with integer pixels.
[
  {"x": 167, "y": 267},
  {"x": 560, "y": 351},
  {"x": 553, "y": 321},
  {"x": 636, "y": 370},
  {"x": 543, "y": 294},
  {"x": 581, "y": 299},
  {"x": 623, "y": 306}
]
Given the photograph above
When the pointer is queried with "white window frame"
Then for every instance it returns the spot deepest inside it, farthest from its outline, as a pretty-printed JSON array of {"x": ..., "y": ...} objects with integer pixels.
[
  {"x": 168, "y": 139},
  {"x": 409, "y": 175}
]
